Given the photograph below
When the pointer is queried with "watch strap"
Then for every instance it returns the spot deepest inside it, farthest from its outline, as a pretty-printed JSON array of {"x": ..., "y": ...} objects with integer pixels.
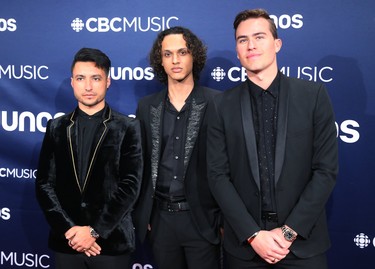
[
  {"x": 251, "y": 238},
  {"x": 93, "y": 233}
]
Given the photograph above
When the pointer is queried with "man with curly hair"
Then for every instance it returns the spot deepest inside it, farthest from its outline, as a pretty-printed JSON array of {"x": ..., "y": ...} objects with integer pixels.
[{"x": 175, "y": 210}]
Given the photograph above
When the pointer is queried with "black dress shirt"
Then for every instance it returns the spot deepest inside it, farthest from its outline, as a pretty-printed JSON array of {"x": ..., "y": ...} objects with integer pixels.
[
  {"x": 264, "y": 104},
  {"x": 170, "y": 182},
  {"x": 87, "y": 127}
]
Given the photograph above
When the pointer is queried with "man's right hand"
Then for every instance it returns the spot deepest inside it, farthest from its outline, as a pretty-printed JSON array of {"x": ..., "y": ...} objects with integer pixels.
[
  {"x": 270, "y": 246},
  {"x": 93, "y": 250},
  {"x": 80, "y": 239}
]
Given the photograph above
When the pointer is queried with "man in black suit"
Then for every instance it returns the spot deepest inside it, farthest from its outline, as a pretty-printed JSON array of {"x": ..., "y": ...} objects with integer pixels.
[
  {"x": 89, "y": 174},
  {"x": 272, "y": 158},
  {"x": 175, "y": 208}
]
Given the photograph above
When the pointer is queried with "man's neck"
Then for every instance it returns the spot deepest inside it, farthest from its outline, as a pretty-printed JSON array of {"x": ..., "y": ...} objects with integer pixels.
[
  {"x": 263, "y": 79},
  {"x": 91, "y": 110},
  {"x": 178, "y": 92}
]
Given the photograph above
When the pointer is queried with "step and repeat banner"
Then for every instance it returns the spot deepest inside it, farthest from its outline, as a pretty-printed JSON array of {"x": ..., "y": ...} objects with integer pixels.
[{"x": 326, "y": 41}]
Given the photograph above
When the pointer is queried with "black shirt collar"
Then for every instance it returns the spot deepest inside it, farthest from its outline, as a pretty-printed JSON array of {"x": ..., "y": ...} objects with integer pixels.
[
  {"x": 97, "y": 115},
  {"x": 170, "y": 107},
  {"x": 273, "y": 89}
]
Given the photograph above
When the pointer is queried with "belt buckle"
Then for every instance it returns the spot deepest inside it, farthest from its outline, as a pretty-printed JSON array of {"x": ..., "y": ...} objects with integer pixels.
[
  {"x": 272, "y": 216},
  {"x": 172, "y": 208},
  {"x": 269, "y": 216}
]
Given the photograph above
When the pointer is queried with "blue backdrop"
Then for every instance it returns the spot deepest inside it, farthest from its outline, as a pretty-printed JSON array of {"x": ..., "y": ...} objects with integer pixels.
[{"x": 327, "y": 41}]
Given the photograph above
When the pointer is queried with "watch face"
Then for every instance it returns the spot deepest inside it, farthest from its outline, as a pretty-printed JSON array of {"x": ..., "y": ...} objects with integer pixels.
[
  {"x": 288, "y": 235},
  {"x": 94, "y": 233}
]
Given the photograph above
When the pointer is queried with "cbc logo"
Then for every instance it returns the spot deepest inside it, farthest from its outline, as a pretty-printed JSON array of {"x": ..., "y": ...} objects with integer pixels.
[
  {"x": 362, "y": 241},
  {"x": 218, "y": 74},
  {"x": 312, "y": 73},
  {"x": 8, "y": 25},
  {"x": 77, "y": 25},
  {"x": 123, "y": 24}
]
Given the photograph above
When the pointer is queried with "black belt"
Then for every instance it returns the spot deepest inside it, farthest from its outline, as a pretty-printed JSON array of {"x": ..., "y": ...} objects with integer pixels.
[
  {"x": 172, "y": 207},
  {"x": 269, "y": 216}
]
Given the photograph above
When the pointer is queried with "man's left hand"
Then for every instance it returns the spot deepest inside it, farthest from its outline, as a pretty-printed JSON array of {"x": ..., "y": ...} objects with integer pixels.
[{"x": 80, "y": 239}]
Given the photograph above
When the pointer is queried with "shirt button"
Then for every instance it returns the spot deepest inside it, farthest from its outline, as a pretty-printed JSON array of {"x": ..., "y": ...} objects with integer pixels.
[
  {"x": 178, "y": 117},
  {"x": 176, "y": 157},
  {"x": 83, "y": 204},
  {"x": 177, "y": 137}
]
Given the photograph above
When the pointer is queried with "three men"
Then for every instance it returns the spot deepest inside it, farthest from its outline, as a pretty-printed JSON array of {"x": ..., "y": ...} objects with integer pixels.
[{"x": 271, "y": 162}]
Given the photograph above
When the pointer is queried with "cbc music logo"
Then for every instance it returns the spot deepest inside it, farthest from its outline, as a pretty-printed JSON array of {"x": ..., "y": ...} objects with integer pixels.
[
  {"x": 20, "y": 173},
  {"x": 29, "y": 72},
  {"x": 35, "y": 260},
  {"x": 77, "y": 25},
  {"x": 123, "y": 24},
  {"x": 218, "y": 74},
  {"x": 362, "y": 240},
  {"x": 312, "y": 73}
]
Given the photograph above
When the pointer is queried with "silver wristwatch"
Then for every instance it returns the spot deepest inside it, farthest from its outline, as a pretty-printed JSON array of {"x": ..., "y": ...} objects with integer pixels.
[
  {"x": 288, "y": 233},
  {"x": 93, "y": 233}
]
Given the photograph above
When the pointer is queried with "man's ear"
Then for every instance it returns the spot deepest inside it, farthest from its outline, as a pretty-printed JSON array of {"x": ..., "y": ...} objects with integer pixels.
[
  {"x": 278, "y": 45},
  {"x": 108, "y": 82}
]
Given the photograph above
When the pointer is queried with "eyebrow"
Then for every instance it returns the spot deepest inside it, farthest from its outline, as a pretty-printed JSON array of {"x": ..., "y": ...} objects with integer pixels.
[
  {"x": 255, "y": 34},
  {"x": 167, "y": 50},
  {"x": 92, "y": 76}
]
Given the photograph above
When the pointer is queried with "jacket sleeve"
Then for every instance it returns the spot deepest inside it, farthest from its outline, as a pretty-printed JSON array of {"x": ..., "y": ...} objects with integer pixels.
[
  {"x": 219, "y": 178},
  {"x": 124, "y": 197},
  {"x": 324, "y": 168},
  {"x": 45, "y": 186}
]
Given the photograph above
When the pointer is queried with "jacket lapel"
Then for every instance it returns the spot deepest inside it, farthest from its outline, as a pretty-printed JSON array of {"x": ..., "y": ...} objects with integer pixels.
[
  {"x": 249, "y": 132},
  {"x": 156, "y": 116},
  {"x": 98, "y": 139},
  {"x": 73, "y": 146},
  {"x": 198, "y": 106},
  {"x": 282, "y": 126},
  {"x": 197, "y": 109}
]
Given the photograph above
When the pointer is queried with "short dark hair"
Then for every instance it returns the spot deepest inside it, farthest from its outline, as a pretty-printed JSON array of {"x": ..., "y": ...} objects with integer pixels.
[
  {"x": 253, "y": 14},
  {"x": 194, "y": 45},
  {"x": 100, "y": 59}
]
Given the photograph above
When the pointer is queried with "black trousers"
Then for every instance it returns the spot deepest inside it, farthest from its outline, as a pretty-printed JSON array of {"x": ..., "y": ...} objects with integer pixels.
[
  {"x": 289, "y": 262},
  {"x": 81, "y": 261},
  {"x": 176, "y": 243}
]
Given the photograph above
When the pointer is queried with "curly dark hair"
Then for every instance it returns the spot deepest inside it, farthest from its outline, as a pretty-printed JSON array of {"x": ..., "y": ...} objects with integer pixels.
[{"x": 194, "y": 45}]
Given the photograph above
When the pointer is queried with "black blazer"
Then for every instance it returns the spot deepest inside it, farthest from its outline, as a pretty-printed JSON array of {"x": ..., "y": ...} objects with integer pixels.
[
  {"x": 110, "y": 188},
  {"x": 306, "y": 164},
  {"x": 203, "y": 208}
]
